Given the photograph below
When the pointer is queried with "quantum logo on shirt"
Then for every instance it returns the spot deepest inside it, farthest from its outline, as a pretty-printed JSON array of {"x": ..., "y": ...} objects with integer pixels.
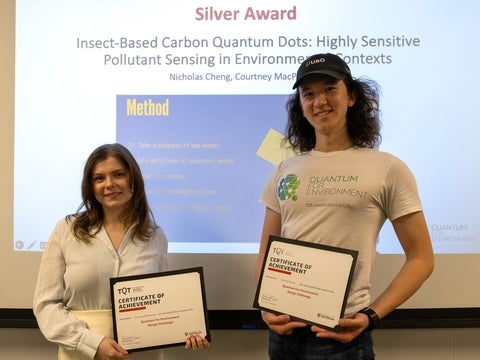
[
  {"x": 334, "y": 185},
  {"x": 288, "y": 187}
]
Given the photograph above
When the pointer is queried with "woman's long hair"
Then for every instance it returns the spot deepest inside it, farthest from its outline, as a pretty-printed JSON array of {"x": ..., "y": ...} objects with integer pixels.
[{"x": 88, "y": 219}]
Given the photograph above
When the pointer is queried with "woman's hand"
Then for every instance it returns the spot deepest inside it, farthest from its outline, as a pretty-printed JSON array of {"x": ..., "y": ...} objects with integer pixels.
[
  {"x": 109, "y": 349},
  {"x": 195, "y": 342}
]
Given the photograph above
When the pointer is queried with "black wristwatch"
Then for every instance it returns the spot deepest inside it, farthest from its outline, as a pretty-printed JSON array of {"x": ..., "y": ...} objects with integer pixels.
[{"x": 373, "y": 318}]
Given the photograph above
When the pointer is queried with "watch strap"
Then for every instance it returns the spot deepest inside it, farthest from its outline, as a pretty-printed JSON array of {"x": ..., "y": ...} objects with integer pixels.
[{"x": 373, "y": 318}]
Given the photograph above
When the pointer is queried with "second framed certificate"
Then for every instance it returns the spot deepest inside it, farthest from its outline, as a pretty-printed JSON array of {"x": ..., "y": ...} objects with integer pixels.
[
  {"x": 159, "y": 310},
  {"x": 308, "y": 281}
]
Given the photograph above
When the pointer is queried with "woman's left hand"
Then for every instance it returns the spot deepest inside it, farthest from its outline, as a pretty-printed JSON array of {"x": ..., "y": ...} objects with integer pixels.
[{"x": 195, "y": 342}]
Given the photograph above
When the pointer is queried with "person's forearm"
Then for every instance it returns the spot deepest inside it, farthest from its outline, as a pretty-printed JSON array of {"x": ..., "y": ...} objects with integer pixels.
[{"x": 408, "y": 280}]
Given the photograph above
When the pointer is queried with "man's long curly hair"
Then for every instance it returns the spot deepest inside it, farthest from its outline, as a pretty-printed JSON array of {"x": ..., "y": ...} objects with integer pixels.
[
  {"x": 363, "y": 118},
  {"x": 88, "y": 219}
]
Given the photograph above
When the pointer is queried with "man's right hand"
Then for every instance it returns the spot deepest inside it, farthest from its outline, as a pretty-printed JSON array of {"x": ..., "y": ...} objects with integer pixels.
[{"x": 281, "y": 324}]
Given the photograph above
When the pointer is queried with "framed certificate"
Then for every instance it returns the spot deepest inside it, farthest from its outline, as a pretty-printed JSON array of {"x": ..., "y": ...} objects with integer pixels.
[
  {"x": 159, "y": 310},
  {"x": 308, "y": 281}
]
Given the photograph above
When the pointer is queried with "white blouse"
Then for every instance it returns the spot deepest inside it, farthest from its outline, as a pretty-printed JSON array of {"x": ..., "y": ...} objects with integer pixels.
[{"x": 74, "y": 275}]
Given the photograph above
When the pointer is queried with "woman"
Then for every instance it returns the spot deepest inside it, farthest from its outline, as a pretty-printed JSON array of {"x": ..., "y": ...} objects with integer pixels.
[{"x": 112, "y": 234}]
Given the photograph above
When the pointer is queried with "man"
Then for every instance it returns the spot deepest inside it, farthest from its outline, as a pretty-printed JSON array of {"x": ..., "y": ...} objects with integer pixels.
[{"x": 333, "y": 122}]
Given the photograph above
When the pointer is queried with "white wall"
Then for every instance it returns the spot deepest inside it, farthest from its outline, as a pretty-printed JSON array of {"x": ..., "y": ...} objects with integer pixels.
[{"x": 416, "y": 344}]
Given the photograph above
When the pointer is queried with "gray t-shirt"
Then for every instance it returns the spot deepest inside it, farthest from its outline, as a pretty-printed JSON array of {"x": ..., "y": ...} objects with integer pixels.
[{"x": 342, "y": 199}]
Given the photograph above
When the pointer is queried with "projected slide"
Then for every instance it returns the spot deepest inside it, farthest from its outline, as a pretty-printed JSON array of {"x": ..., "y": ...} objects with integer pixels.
[
  {"x": 199, "y": 158},
  {"x": 197, "y": 92}
]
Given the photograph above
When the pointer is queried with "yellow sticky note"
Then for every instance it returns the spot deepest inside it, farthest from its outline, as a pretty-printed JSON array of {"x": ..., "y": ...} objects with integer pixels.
[{"x": 272, "y": 149}]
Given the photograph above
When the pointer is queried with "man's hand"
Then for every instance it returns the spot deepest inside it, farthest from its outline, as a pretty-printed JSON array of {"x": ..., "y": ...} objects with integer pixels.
[
  {"x": 281, "y": 324},
  {"x": 351, "y": 328}
]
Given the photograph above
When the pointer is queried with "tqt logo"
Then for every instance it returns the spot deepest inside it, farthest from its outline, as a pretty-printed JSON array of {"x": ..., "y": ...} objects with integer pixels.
[
  {"x": 278, "y": 251},
  {"x": 124, "y": 290}
]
